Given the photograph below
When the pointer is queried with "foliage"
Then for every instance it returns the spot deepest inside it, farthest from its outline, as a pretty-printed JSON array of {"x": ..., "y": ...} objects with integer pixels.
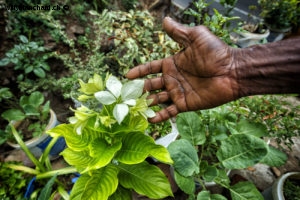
[
  {"x": 291, "y": 189},
  {"x": 116, "y": 42},
  {"x": 277, "y": 113},
  {"x": 107, "y": 142},
  {"x": 213, "y": 142},
  {"x": 129, "y": 4},
  {"x": 33, "y": 109},
  {"x": 12, "y": 183},
  {"x": 26, "y": 57},
  {"x": 280, "y": 14},
  {"x": 217, "y": 22},
  {"x": 42, "y": 170}
]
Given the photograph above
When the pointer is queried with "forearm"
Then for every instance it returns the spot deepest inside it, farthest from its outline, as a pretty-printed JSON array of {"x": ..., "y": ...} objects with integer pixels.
[{"x": 273, "y": 68}]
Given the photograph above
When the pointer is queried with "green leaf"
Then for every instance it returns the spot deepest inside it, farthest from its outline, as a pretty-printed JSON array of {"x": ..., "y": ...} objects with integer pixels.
[
  {"x": 121, "y": 194},
  {"x": 74, "y": 141},
  {"x": 13, "y": 115},
  {"x": 208, "y": 196},
  {"x": 161, "y": 154},
  {"x": 79, "y": 159},
  {"x": 46, "y": 191},
  {"x": 100, "y": 184},
  {"x": 23, "y": 39},
  {"x": 210, "y": 174},
  {"x": 145, "y": 179},
  {"x": 36, "y": 99},
  {"x": 186, "y": 184},
  {"x": 189, "y": 128},
  {"x": 39, "y": 72},
  {"x": 4, "y": 61},
  {"x": 184, "y": 156},
  {"x": 114, "y": 86},
  {"x": 94, "y": 85},
  {"x": 252, "y": 128},
  {"x": 203, "y": 195},
  {"x": 240, "y": 151},
  {"x": 274, "y": 158},
  {"x": 102, "y": 153},
  {"x": 31, "y": 110},
  {"x": 222, "y": 179},
  {"x": 28, "y": 69},
  {"x": 105, "y": 97},
  {"x": 137, "y": 146},
  {"x": 120, "y": 111},
  {"x": 132, "y": 89},
  {"x": 245, "y": 191}
]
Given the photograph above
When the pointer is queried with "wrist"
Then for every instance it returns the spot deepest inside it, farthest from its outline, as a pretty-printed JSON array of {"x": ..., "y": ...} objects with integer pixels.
[{"x": 273, "y": 68}]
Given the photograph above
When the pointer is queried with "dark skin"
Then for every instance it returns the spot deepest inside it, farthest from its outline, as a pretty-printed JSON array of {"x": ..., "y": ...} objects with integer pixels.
[{"x": 208, "y": 73}]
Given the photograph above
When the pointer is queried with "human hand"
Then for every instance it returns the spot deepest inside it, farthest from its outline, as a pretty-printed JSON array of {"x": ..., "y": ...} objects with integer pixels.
[{"x": 201, "y": 76}]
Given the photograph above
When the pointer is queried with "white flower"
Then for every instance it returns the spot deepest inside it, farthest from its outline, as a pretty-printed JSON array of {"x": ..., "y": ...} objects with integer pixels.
[{"x": 126, "y": 94}]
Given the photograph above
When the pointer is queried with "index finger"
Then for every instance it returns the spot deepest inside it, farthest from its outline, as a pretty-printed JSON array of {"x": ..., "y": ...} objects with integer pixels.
[{"x": 139, "y": 71}]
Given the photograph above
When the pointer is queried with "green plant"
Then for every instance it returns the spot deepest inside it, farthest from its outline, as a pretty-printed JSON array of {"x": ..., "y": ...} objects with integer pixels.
[
  {"x": 217, "y": 23},
  {"x": 28, "y": 57},
  {"x": 107, "y": 142},
  {"x": 277, "y": 112},
  {"x": 30, "y": 110},
  {"x": 211, "y": 143},
  {"x": 129, "y": 4},
  {"x": 291, "y": 189},
  {"x": 42, "y": 171},
  {"x": 279, "y": 14},
  {"x": 229, "y": 5},
  {"x": 12, "y": 184}
]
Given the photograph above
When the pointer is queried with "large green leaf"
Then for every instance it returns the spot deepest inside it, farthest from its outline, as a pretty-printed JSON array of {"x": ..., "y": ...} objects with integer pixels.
[
  {"x": 245, "y": 191},
  {"x": 36, "y": 99},
  {"x": 31, "y": 110},
  {"x": 74, "y": 141},
  {"x": 102, "y": 153},
  {"x": 79, "y": 159},
  {"x": 184, "y": 156},
  {"x": 13, "y": 115},
  {"x": 99, "y": 184},
  {"x": 240, "y": 151},
  {"x": 121, "y": 194},
  {"x": 186, "y": 184},
  {"x": 160, "y": 153},
  {"x": 137, "y": 146},
  {"x": 252, "y": 128},
  {"x": 145, "y": 179},
  {"x": 189, "y": 127},
  {"x": 208, "y": 196},
  {"x": 274, "y": 157}
]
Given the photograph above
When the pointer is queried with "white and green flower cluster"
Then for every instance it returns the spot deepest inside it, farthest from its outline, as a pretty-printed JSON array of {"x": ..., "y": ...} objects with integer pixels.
[{"x": 117, "y": 101}]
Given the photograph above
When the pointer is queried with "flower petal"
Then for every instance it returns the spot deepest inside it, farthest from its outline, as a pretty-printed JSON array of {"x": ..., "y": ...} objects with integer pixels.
[
  {"x": 105, "y": 97},
  {"x": 114, "y": 86},
  {"x": 120, "y": 111},
  {"x": 130, "y": 102},
  {"x": 132, "y": 89},
  {"x": 150, "y": 113}
]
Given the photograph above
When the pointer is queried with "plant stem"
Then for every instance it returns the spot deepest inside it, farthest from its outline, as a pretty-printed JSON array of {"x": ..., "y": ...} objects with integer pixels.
[
  {"x": 64, "y": 194},
  {"x": 25, "y": 149},
  {"x": 66, "y": 170},
  {"x": 23, "y": 168}
]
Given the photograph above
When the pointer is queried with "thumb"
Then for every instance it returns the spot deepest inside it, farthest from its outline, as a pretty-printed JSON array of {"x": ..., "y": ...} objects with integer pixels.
[{"x": 176, "y": 31}]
